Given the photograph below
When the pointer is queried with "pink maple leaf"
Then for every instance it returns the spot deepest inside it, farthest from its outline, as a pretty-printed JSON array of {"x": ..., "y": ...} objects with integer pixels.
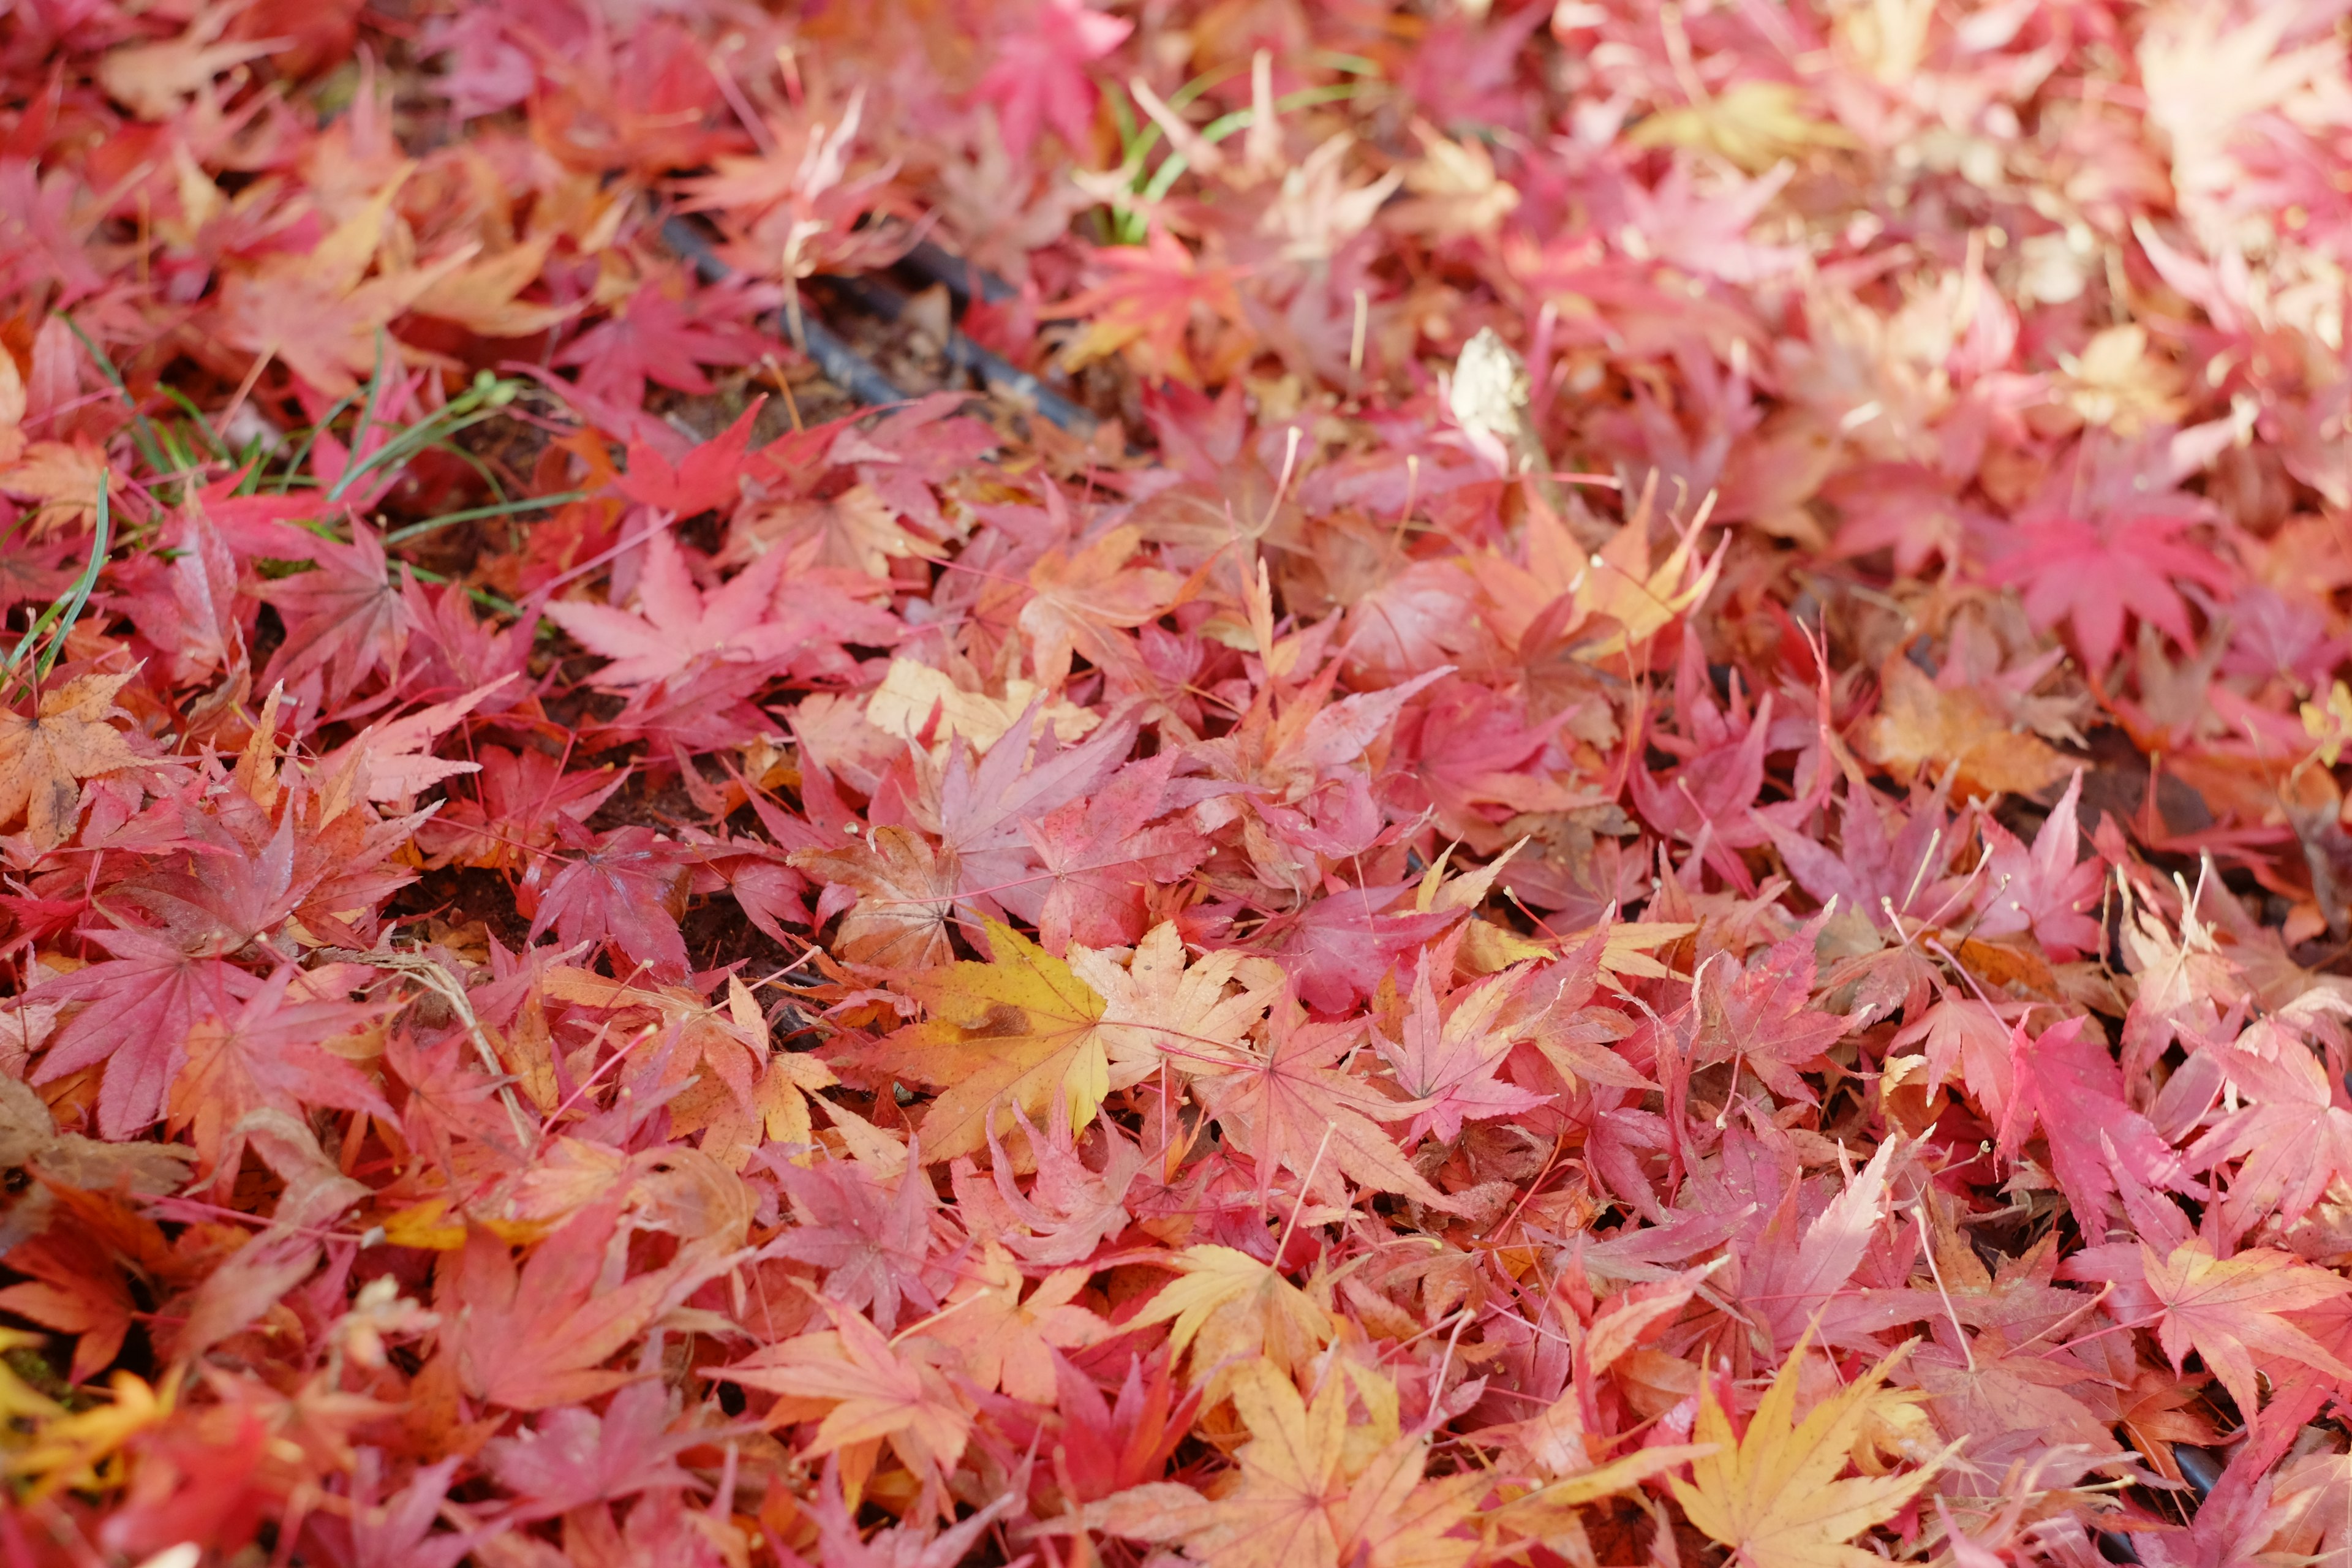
[
  {"x": 667, "y": 332},
  {"x": 575, "y": 1458},
  {"x": 1762, "y": 1017},
  {"x": 2043, "y": 889},
  {"x": 1101, "y": 857},
  {"x": 2103, "y": 540},
  {"x": 2066, "y": 1081},
  {"x": 1707, "y": 801},
  {"x": 1336, "y": 948},
  {"x": 677, "y": 625},
  {"x": 1448, "y": 1056},
  {"x": 625, "y": 887},
  {"x": 1039, "y": 76}
]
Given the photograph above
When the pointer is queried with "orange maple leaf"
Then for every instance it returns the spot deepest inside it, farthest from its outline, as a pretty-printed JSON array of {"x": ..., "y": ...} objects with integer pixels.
[
  {"x": 539, "y": 1336},
  {"x": 1315, "y": 1489},
  {"x": 44, "y": 759},
  {"x": 1023, "y": 1030},
  {"x": 1147, "y": 306},
  {"x": 1922, "y": 725}
]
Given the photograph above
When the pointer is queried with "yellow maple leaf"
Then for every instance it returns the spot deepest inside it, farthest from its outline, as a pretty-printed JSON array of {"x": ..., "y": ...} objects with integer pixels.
[
  {"x": 1771, "y": 1495},
  {"x": 1754, "y": 123},
  {"x": 1023, "y": 1030},
  {"x": 1619, "y": 583},
  {"x": 155, "y": 80},
  {"x": 484, "y": 293},
  {"x": 1626, "y": 949},
  {"x": 1314, "y": 1489},
  {"x": 73, "y": 1451},
  {"x": 1236, "y": 1307},
  {"x": 1156, "y": 1010},
  {"x": 911, "y": 692},
  {"x": 2330, "y": 725}
]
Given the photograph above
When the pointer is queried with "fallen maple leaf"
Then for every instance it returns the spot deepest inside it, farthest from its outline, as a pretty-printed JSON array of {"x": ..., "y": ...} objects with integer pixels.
[
  {"x": 1006, "y": 1340},
  {"x": 44, "y": 759},
  {"x": 865, "y": 1389},
  {"x": 1311, "y": 1490},
  {"x": 678, "y": 625},
  {"x": 1771, "y": 1495},
  {"x": 318, "y": 310},
  {"x": 1225, "y": 1305},
  {"x": 1145, "y": 306},
  {"x": 1924, "y": 726},
  {"x": 1288, "y": 1108},
  {"x": 905, "y": 894},
  {"x": 1039, "y": 77},
  {"x": 2227, "y": 1309},
  {"x": 708, "y": 476},
  {"x": 2294, "y": 1139},
  {"x": 1447, "y": 1061},
  {"x": 155, "y": 80},
  {"x": 264, "y": 1055},
  {"x": 1021, "y": 1030},
  {"x": 539, "y": 1336}
]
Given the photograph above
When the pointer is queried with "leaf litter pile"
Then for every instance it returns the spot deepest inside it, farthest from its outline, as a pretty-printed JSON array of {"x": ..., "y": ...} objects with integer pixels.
[{"x": 1246, "y": 782}]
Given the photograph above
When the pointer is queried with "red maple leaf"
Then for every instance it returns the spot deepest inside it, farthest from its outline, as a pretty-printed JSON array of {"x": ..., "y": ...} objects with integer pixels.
[
  {"x": 754, "y": 620},
  {"x": 984, "y": 805},
  {"x": 140, "y": 1004},
  {"x": 450, "y": 1103},
  {"x": 74, "y": 1286},
  {"x": 2065, "y": 1082},
  {"x": 678, "y": 625},
  {"x": 1338, "y": 948},
  {"x": 667, "y": 332},
  {"x": 266, "y": 1055},
  {"x": 1146, "y": 297},
  {"x": 1707, "y": 801},
  {"x": 513, "y": 816},
  {"x": 707, "y": 477},
  {"x": 1106, "y": 1446},
  {"x": 345, "y": 619},
  {"x": 377, "y": 1532},
  {"x": 626, "y": 888}
]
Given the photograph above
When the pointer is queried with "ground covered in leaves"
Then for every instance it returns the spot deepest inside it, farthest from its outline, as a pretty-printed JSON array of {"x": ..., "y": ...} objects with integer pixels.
[{"x": 1560, "y": 784}]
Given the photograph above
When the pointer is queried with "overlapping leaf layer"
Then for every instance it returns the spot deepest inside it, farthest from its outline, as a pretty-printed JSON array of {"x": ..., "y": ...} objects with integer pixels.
[{"x": 1636, "y": 854}]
